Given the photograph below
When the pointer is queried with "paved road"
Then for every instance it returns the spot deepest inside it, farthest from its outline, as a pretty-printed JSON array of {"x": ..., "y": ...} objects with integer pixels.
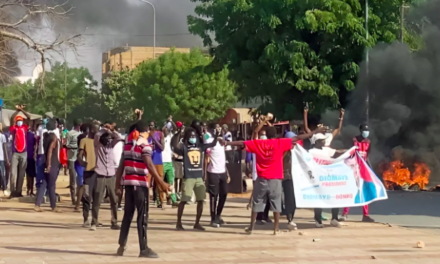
[{"x": 410, "y": 209}]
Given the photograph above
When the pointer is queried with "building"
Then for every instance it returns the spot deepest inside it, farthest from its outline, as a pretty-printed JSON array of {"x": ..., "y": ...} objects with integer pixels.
[{"x": 120, "y": 58}]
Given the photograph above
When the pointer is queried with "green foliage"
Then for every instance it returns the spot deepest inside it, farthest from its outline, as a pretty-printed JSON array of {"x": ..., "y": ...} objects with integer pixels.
[
  {"x": 74, "y": 100},
  {"x": 178, "y": 84},
  {"x": 288, "y": 52}
]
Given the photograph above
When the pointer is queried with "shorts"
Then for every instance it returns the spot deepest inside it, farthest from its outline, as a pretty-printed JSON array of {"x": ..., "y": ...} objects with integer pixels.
[
  {"x": 266, "y": 190},
  {"x": 31, "y": 168},
  {"x": 196, "y": 185}
]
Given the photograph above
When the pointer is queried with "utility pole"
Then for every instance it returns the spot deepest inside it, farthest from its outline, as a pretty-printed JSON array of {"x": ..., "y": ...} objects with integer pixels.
[
  {"x": 402, "y": 17},
  {"x": 65, "y": 90},
  {"x": 367, "y": 64},
  {"x": 154, "y": 26}
]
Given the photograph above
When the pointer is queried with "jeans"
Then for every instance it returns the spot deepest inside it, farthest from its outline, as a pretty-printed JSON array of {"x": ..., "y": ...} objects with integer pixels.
[
  {"x": 3, "y": 184},
  {"x": 40, "y": 170},
  {"x": 18, "y": 171},
  {"x": 72, "y": 180},
  {"x": 136, "y": 198},
  {"x": 49, "y": 182}
]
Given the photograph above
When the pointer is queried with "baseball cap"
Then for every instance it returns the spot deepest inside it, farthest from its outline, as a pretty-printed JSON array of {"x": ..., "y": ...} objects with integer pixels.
[
  {"x": 179, "y": 124},
  {"x": 18, "y": 118}
]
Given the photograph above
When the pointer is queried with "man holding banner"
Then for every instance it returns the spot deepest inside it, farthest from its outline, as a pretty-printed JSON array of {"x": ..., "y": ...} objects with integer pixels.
[
  {"x": 363, "y": 144},
  {"x": 269, "y": 160}
]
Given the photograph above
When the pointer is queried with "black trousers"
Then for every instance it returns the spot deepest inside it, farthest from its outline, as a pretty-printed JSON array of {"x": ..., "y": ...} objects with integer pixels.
[
  {"x": 89, "y": 189},
  {"x": 289, "y": 201},
  {"x": 218, "y": 192},
  {"x": 136, "y": 198},
  {"x": 318, "y": 214},
  {"x": 264, "y": 215}
]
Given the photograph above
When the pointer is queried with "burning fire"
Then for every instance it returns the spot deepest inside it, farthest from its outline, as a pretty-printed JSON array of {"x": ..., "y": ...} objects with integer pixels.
[{"x": 398, "y": 174}]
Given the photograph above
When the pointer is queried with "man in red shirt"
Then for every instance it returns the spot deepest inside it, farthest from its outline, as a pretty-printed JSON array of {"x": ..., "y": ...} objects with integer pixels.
[
  {"x": 269, "y": 163},
  {"x": 18, "y": 131}
]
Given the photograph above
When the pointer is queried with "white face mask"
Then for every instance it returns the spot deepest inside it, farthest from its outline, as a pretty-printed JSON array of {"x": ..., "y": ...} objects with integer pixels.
[{"x": 19, "y": 123}]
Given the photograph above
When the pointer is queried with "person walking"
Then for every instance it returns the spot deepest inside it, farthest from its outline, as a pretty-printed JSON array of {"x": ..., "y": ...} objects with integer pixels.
[
  {"x": 31, "y": 169},
  {"x": 18, "y": 131},
  {"x": 137, "y": 163},
  {"x": 72, "y": 153},
  {"x": 4, "y": 162},
  {"x": 51, "y": 146}
]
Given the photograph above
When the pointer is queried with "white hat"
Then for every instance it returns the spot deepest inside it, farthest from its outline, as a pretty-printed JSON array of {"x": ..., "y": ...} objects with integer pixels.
[{"x": 317, "y": 137}]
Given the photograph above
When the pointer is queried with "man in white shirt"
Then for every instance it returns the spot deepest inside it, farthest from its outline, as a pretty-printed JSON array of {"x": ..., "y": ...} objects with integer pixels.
[
  {"x": 319, "y": 149},
  {"x": 218, "y": 180}
]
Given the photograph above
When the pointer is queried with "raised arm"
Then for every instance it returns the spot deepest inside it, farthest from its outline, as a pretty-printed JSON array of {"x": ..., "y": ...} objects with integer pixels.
[
  {"x": 306, "y": 123},
  {"x": 341, "y": 120},
  {"x": 28, "y": 116},
  {"x": 307, "y": 135},
  {"x": 175, "y": 144},
  {"x": 262, "y": 123}
]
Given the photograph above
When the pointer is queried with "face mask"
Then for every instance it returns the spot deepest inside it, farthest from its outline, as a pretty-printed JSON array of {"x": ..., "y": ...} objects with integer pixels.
[
  {"x": 192, "y": 140},
  {"x": 263, "y": 137},
  {"x": 365, "y": 134},
  {"x": 19, "y": 123}
]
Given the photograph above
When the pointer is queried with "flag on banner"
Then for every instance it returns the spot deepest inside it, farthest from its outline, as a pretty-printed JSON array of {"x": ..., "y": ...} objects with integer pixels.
[{"x": 322, "y": 182}]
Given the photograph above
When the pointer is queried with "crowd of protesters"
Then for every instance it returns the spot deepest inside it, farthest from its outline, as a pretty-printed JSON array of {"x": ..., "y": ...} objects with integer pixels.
[{"x": 178, "y": 164}]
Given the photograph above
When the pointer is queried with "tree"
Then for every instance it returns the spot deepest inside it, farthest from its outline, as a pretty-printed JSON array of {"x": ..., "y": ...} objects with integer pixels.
[
  {"x": 289, "y": 52},
  {"x": 77, "y": 99},
  {"x": 180, "y": 84},
  {"x": 17, "y": 23}
]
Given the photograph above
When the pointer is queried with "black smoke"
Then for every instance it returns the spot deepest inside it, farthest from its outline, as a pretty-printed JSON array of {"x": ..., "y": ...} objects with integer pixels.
[{"x": 404, "y": 89}]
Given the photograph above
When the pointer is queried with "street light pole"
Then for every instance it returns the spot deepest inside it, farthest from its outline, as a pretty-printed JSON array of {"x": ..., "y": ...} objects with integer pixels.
[
  {"x": 367, "y": 62},
  {"x": 154, "y": 26}
]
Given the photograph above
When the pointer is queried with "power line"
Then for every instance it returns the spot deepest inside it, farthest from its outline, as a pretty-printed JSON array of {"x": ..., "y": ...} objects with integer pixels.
[{"x": 136, "y": 35}]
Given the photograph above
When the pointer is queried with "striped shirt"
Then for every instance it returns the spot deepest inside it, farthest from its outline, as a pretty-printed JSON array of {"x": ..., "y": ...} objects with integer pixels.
[{"x": 136, "y": 170}]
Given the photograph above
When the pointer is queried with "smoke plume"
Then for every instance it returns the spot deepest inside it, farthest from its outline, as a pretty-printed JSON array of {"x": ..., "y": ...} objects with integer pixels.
[
  {"x": 107, "y": 24},
  {"x": 404, "y": 89}
]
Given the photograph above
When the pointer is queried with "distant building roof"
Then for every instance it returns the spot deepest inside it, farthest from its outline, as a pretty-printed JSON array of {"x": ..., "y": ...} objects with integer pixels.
[{"x": 7, "y": 114}]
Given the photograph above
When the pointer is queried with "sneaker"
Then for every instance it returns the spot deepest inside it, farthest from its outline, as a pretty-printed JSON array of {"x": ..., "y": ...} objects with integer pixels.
[
  {"x": 343, "y": 218},
  {"x": 92, "y": 228},
  {"x": 367, "y": 219},
  {"x": 120, "y": 251},
  {"x": 292, "y": 226},
  {"x": 100, "y": 224},
  {"x": 215, "y": 223},
  {"x": 115, "y": 227},
  {"x": 6, "y": 193},
  {"x": 56, "y": 210},
  {"x": 38, "y": 209},
  {"x": 323, "y": 218},
  {"x": 259, "y": 222},
  {"x": 148, "y": 253},
  {"x": 268, "y": 220},
  {"x": 335, "y": 223},
  {"x": 120, "y": 208},
  {"x": 220, "y": 221},
  {"x": 86, "y": 224},
  {"x": 319, "y": 225}
]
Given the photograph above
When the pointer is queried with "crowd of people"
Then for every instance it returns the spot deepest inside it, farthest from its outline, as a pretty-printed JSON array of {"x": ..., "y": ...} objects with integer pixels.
[{"x": 178, "y": 164}]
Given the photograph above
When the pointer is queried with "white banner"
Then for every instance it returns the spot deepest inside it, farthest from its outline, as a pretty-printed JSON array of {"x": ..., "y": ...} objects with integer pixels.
[{"x": 322, "y": 182}]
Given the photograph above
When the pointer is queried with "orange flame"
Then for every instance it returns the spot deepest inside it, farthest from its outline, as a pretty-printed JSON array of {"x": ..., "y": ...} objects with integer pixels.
[{"x": 398, "y": 174}]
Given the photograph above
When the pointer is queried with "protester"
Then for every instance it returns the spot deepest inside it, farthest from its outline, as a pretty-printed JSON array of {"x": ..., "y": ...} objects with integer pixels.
[
  {"x": 167, "y": 158},
  {"x": 118, "y": 151},
  {"x": 193, "y": 151},
  {"x": 319, "y": 149},
  {"x": 51, "y": 146},
  {"x": 156, "y": 139},
  {"x": 218, "y": 180},
  {"x": 287, "y": 183},
  {"x": 269, "y": 160},
  {"x": 178, "y": 162},
  {"x": 63, "y": 154},
  {"x": 137, "y": 164},
  {"x": 363, "y": 144},
  {"x": 72, "y": 153},
  {"x": 4, "y": 162},
  {"x": 104, "y": 142},
  {"x": 18, "y": 131},
  {"x": 87, "y": 159},
  {"x": 40, "y": 153},
  {"x": 31, "y": 169},
  {"x": 230, "y": 153},
  {"x": 85, "y": 130}
]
